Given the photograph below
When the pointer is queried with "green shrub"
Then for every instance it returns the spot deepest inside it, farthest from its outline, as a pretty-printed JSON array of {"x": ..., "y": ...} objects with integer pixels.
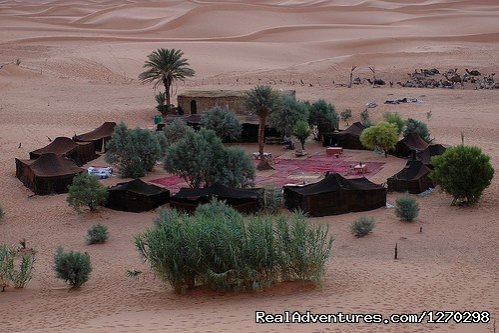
[
  {"x": 464, "y": 172},
  {"x": 382, "y": 135},
  {"x": 395, "y": 119},
  {"x": 273, "y": 199},
  {"x": 224, "y": 122},
  {"x": 406, "y": 208},
  {"x": 97, "y": 234},
  {"x": 134, "y": 151},
  {"x": 86, "y": 191},
  {"x": 362, "y": 226},
  {"x": 324, "y": 116},
  {"x": 216, "y": 247},
  {"x": 416, "y": 126},
  {"x": 72, "y": 267},
  {"x": 302, "y": 131},
  {"x": 19, "y": 278},
  {"x": 161, "y": 100},
  {"x": 365, "y": 119},
  {"x": 175, "y": 131}
]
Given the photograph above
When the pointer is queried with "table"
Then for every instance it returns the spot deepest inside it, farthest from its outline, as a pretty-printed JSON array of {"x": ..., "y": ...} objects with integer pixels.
[
  {"x": 333, "y": 150},
  {"x": 360, "y": 168}
]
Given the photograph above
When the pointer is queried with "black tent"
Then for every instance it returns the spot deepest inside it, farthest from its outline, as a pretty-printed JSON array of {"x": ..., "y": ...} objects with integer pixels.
[
  {"x": 410, "y": 145},
  {"x": 48, "y": 174},
  {"x": 246, "y": 200},
  {"x": 413, "y": 178},
  {"x": 79, "y": 152},
  {"x": 335, "y": 195},
  {"x": 98, "y": 136},
  {"x": 348, "y": 138},
  {"x": 136, "y": 196},
  {"x": 249, "y": 132},
  {"x": 432, "y": 150}
]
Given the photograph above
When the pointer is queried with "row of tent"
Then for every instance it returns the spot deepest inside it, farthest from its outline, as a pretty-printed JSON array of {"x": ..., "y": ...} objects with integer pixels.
[{"x": 51, "y": 169}]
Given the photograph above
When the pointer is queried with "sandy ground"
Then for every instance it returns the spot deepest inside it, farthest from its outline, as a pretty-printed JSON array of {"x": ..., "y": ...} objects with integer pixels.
[{"x": 79, "y": 66}]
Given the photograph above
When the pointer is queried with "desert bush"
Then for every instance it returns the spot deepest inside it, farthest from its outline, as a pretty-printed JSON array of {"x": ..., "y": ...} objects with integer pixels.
[
  {"x": 365, "y": 118},
  {"x": 72, "y": 267},
  {"x": 345, "y": 115},
  {"x": 382, "y": 135},
  {"x": 134, "y": 151},
  {"x": 464, "y": 172},
  {"x": 86, "y": 191},
  {"x": 362, "y": 226},
  {"x": 324, "y": 116},
  {"x": 97, "y": 234},
  {"x": 201, "y": 160},
  {"x": 416, "y": 126},
  {"x": 395, "y": 119},
  {"x": 9, "y": 274},
  {"x": 292, "y": 110},
  {"x": 406, "y": 208},
  {"x": 217, "y": 248},
  {"x": 223, "y": 122}
]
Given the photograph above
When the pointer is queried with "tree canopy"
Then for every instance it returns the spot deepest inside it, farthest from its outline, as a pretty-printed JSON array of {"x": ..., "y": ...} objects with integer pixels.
[
  {"x": 324, "y": 116},
  {"x": 395, "y": 119},
  {"x": 302, "y": 131},
  {"x": 464, "y": 172},
  {"x": 285, "y": 118},
  {"x": 416, "y": 126},
  {"x": 224, "y": 122},
  {"x": 382, "y": 135}
]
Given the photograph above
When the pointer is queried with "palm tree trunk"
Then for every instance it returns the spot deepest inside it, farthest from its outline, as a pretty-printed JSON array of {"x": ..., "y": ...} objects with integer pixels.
[
  {"x": 302, "y": 145},
  {"x": 261, "y": 135},
  {"x": 167, "y": 84}
]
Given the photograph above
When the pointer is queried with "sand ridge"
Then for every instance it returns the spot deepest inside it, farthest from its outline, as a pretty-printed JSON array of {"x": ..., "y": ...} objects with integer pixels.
[{"x": 79, "y": 66}]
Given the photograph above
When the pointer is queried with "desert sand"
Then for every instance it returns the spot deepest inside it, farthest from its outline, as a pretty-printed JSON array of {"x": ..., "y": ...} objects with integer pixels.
[{"x": 79, "y": 66}]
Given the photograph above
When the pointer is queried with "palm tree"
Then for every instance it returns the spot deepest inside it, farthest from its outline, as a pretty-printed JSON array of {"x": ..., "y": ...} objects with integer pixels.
[
  {"x": 166, "y": 66},
  {"x": 262, "y": 100}
]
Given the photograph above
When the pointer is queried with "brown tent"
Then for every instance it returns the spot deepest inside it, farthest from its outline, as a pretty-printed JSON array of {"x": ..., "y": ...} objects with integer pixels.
[
  {"x": 410, "y": 145},
  {"x": 413, "y": 178},
  {"x": 335, "y": 195},
  {"x": 348, "y": 138},
  {"x": 136, "y": 196},
  {"x": 49, "y": 173},
  {"x": 432, "y": 150},
  {"x": 98, "y": 136},
  {"x": 247, "y": 200},
  {"x": 79, "y": 152}
]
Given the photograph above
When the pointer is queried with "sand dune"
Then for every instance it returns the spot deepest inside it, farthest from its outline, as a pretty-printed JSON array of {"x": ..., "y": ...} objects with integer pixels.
[{"x": 79, "y": 65}]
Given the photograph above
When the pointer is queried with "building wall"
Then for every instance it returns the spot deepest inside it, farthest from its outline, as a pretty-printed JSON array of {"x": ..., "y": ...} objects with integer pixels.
[{"x": 233, "y": 103}]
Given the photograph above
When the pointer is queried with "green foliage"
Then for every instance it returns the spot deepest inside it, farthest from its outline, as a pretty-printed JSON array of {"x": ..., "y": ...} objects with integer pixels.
[
  {"x": 382, "y": 135},
  {"x": 19, "y": 278},
  {"x": 263, "y": 101},
  {"x": 395, "y": 119},
  {"x": 292, "y": 110},
  {"x": 135, "y": 151},
  {"x": 86, "y": 191},
  {"x": 201, "y": 160},
  {"x": 72, "y": 267},
  {"x": 217, "y": 248},
  {"x": 161, "y": 100},
  {"x": 416, "y": 126},
  {"x": 406, "y": 208},
  {"x": 362, "y": 226},
  {"x": 176, "y": 131},
  {"x": 365, "y": 119},
  {"x": 97, "y": 234},
  {"x": 273, "y": 200},
  {"x": 165, "y": 66},
  {"x": 324, "y": 116},
  {"x": 223, "y": 122},
  {"x": 302, "y": 131},
  {"x": 345, "y": 115},
  {"x": 464, "y": 172}
]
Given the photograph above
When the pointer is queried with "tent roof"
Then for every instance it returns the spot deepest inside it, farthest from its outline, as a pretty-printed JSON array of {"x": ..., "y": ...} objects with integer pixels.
[
  {"x": 355, "y": 129},
  {"x": 413, "y": 140},
  {"x": 432, "y": 150},
  {"x": 220, "y": 190},
  {"x": 138, "y": 186},
  {"x": 413, "y": 170},
  {"x": 60, "y": 145},
  {"x": 335, "y": 182},
  {"x": 52, "y": 165},
  {"x": 104, "y": 131}
]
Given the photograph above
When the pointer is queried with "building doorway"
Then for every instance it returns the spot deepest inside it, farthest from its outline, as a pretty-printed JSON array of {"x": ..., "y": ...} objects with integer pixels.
[{"x": 194, "y": 107}]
